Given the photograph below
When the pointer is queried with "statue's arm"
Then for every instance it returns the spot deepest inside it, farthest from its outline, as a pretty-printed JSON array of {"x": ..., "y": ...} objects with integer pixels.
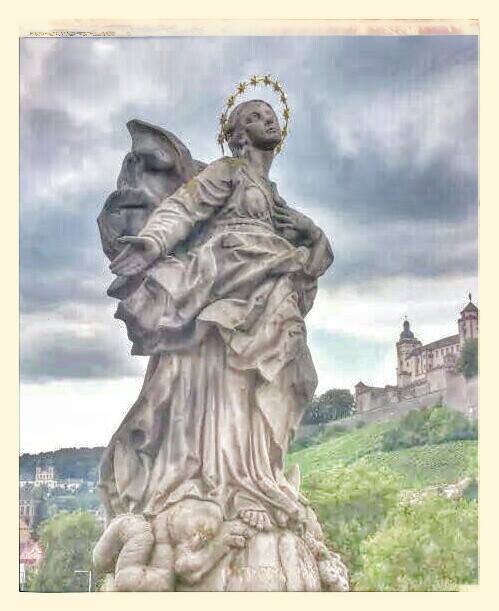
[
  {"x": 194, "y": 558},
  {"x": 303, "y": 232},
  {"x": 192, "y": 565},
  {"x": 176, "y": 216},
  {"x": 321, "y": 252},
  {"x": 312, "y": 236}
]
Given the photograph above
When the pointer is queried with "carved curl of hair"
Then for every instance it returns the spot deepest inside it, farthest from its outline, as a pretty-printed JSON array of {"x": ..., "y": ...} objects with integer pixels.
[{"x": 234, "y": 131}]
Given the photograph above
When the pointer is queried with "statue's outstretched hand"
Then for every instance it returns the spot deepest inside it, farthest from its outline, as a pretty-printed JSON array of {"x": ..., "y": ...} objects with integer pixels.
[{"x": 137, "y": 255}]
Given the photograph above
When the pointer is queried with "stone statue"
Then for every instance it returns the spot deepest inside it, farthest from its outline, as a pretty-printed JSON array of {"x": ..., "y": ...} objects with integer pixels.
[{"x": 215, "y": 274}]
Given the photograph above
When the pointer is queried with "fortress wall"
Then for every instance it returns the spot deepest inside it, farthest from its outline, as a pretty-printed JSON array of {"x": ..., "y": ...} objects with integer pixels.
[
  {"x": 437, "y": 378},
  {"x": 376, "y": 398},
  {"x": 472, "y": 396},
  {"x": 460, "y": 395},
  {"x": 381, "y": 414},
  {"x": 363, "y": 402}
]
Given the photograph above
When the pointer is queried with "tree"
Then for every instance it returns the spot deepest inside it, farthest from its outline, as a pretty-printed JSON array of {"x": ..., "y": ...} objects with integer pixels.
[
  {"x": 433, "y": 425},
  {"x": 67, "y": 541},
  {"x": 468, "y": 361},
  {"x": 352, "y": 502},
  {"x": 431, "y": 546},
  {"x": 333, "y": 404}
]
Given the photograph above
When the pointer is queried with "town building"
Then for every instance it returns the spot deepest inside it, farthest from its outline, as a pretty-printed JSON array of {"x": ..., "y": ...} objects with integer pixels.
[
  {"x": 428, "y": 371},
  {"x": 31, "y": 507},
  {"x": 45, "y": 476},
  {"x": 30, "y": 553}
]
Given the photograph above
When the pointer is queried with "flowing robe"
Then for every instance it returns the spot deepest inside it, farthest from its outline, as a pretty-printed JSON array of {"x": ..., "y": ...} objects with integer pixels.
[{"x": 220, "y": 314}]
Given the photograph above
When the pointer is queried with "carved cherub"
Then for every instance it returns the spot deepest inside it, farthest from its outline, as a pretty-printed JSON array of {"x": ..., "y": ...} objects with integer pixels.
[{"x": 184, "y": 543}]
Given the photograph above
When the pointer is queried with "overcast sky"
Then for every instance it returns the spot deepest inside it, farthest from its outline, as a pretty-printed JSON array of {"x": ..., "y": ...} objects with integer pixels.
[{"x": 382, "y": 154}]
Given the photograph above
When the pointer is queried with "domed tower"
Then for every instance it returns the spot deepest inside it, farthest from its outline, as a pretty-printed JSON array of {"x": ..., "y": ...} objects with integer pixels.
[
  {"x": 468, "y": 323},
  {"x": 405, "y": 346}
]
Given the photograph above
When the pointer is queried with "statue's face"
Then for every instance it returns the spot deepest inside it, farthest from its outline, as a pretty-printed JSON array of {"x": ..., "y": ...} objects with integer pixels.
[{"x": 261, "y": 125}]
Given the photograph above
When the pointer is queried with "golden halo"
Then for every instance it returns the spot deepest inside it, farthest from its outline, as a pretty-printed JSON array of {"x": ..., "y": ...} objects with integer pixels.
[{"x": 255, "y": 80}]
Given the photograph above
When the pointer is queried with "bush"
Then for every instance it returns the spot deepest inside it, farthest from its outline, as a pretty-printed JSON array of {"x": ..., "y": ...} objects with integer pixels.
[
  {"x": 429, "y": 426},
  {"x": 427, "y": 547},
  {"x": 448, "y": 425},
  {"x": 352, "y": 502},
  {"x": 303, "y": 442},
  {"x": 333, "y": 431}
]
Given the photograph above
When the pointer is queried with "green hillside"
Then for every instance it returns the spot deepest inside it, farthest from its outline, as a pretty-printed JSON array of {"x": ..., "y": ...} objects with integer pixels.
[
  {"x": 357, "y": 489},
  {"x": 343, "y": 448},
  {"x": 420, "y": 465},
  {"x": 429, "y": 465}
]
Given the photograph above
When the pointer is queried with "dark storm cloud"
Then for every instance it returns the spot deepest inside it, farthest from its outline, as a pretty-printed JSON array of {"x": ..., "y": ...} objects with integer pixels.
[
  {"x": 60, "y": 256},
  {"x": 382, "y": 148},
  {"x": 365, "y": 188},
  {"x": 413, "y": 251},
  {"x": 396, "y": 135},
  {"x": 66, "y": 355}
]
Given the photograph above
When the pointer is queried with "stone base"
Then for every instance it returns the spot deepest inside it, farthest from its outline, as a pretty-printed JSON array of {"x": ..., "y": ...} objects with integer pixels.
[{"x": 189, "y": 547}]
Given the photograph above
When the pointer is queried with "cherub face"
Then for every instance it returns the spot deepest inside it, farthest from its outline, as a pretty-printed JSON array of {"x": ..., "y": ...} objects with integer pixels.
[{"x": 261, "y": 125}]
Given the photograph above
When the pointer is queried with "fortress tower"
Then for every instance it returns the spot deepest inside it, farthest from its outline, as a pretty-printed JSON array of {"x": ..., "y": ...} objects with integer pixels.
[
  {"x": 406, "y": 344},
  {"x": 428, "y": 373},
  {"x": 468, "y": 323}
]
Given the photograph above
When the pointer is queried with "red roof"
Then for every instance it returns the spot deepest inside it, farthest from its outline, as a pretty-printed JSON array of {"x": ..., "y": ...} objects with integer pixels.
[{"x": 30, "y": 553}]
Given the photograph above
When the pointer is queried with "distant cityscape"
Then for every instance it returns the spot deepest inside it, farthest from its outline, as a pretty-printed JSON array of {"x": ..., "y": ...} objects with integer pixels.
[{"x": 41, "y": 496}]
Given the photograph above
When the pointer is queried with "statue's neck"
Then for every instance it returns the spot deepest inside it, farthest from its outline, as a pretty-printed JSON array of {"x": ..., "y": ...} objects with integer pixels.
[{"x": 259, "y": 160}]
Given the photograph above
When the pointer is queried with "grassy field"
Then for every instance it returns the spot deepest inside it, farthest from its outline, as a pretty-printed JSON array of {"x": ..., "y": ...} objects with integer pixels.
[
  {"x": 419, "y": 466},
  {"x": 356, "y": 489},
  {"x": 344, "y": 448},
  {"x": 429, "y": 465}
]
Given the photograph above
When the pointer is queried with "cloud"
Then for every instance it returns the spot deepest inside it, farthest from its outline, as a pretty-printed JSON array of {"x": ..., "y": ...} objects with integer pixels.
[
  {"x": 422, "y": 122},
  {"x": 381, "y": 154},
  {"x": 388, "y": 132},
  {"x": 375, "y": 310},
  {"x": 416, "y": 250},
  {"x": 75, "y": 342},
  {"x": 60, "y": 254}
]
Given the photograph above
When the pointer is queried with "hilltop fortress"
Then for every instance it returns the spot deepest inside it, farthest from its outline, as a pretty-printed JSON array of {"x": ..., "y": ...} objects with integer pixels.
[{"x": 426, "y": 374}]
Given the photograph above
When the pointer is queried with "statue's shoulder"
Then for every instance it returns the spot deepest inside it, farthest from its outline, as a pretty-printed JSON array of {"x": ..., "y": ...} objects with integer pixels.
[
  {"x": 224, "y": 168},
  {"x": 228, "y": 164}
]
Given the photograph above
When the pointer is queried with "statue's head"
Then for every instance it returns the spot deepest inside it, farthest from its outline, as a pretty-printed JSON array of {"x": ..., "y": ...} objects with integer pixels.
[{"x": 253, "y": 123}]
